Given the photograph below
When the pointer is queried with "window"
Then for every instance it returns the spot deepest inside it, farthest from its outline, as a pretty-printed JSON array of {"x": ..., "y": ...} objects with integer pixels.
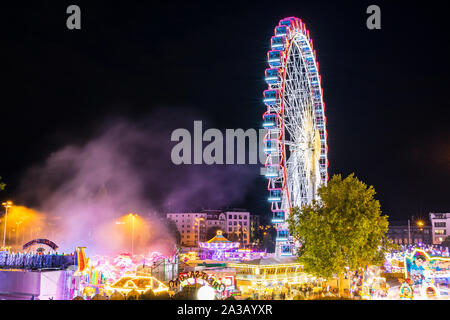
[
  {"x": 235, "y": 223},
  {"x": 230, "y": 216},
  {"x": 440, "y": 224},
  {"x": 230, "y": 223},
  {"x": 235, "y": 216},
  {"x": 230, "y": 228},
  {"x": 440, "y": 231},
  {"x": 245, "y": 223}
]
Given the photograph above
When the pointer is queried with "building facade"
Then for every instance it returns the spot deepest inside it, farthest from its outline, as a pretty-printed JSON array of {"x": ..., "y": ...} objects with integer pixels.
[
  {"x": 193, "y": 227},
  {"x": 440, "y": 224},
  {"x": 401, "y": 234}
]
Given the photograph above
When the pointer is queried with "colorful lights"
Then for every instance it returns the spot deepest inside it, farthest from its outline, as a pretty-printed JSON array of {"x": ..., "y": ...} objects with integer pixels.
[
  {"x": 137, "y": 283},
  {"x": 198, "y": 277},
  {"x": 421, "y": 268},
  {"x": 206, "y": 293},
  {"x": 291, "y": 116},
  {"x": 217, "y": 246}
]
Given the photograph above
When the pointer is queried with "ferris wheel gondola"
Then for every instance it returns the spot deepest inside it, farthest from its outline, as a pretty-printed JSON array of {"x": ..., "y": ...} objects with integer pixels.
[{"x": 295, "y": 143}]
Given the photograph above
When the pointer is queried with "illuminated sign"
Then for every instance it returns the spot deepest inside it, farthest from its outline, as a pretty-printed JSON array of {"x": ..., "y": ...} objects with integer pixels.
[
  {"x": 420, "y": 267},
  {"x": 197, "y": 277},
  {"x": 46, "y": 242}
]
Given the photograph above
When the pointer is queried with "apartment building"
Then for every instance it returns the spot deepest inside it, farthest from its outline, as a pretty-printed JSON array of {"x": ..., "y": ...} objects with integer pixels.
[
  {"x": 193, "y": 226},
  {"x": 440, "y": 224}
]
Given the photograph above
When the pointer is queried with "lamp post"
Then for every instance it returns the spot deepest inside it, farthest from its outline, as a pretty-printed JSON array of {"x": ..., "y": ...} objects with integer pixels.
[
  {"x": 409, "y": 232},
  {"x": 133, "y": 216},
  {"x": 7, "y": 205},
  {"x": 421, "y": 224},
  {"x": 17, "y": 231}
]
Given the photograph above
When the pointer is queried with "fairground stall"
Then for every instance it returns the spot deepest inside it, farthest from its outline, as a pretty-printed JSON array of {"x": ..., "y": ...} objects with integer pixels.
[
  {"x": 270, "y": 277},
  {"x": 430, "y": 276},
  {"x": 39, "y": 272}
]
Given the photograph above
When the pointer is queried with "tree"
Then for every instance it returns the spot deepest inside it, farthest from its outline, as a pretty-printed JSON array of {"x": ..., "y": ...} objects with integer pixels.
[
  {"x": 268, "y": 234},
  {"x": 233, "y": 237},
  {"x": 173, "y": 230},
  {"x": 344, "y": 229}
]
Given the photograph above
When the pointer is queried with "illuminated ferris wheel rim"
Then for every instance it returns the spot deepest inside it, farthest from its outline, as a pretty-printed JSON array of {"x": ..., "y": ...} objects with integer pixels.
[{"x": 296, "y": 138}]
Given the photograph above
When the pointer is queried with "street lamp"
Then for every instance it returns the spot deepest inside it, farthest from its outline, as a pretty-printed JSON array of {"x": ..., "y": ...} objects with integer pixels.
[
  {"x": 17, "y": 231},
  {"x": 133, "y": 216},
  {"x": 7, "y": 205},
  {"x": 420, "y": 224}
]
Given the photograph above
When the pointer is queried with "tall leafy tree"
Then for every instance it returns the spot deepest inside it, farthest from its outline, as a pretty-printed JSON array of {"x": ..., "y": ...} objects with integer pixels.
[
  {"x": 173, "y": 230},
  {"x": 344, "y": 229}
]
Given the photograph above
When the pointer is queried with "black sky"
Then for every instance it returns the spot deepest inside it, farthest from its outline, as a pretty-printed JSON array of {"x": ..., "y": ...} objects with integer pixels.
[{"x": 386, "y": 91}]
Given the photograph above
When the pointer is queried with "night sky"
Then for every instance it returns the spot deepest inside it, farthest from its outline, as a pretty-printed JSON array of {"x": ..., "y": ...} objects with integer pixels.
[{"x": 386, "y": 91}]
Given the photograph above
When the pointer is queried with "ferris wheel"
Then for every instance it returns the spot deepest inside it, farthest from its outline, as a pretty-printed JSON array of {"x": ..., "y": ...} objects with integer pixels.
[{"x": 295, "y": 142}]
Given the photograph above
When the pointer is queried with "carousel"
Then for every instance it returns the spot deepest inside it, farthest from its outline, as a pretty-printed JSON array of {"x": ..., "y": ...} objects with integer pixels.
[{"x": 218, "y": 247}]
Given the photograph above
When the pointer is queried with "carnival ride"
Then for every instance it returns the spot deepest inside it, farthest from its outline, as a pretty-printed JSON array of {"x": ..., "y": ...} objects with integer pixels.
[
  {"x": 374, "y": 285},
  {"x": 38, "y": 254},
  {"x": 220, "y": 248},
  {"x": 295, "y": 143},
  {"x": 430, "y": 275},
  {"x": 39, "y": 245},
  {"x": 123, "y": 273},
  {"x": 216, "y": 247}
]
